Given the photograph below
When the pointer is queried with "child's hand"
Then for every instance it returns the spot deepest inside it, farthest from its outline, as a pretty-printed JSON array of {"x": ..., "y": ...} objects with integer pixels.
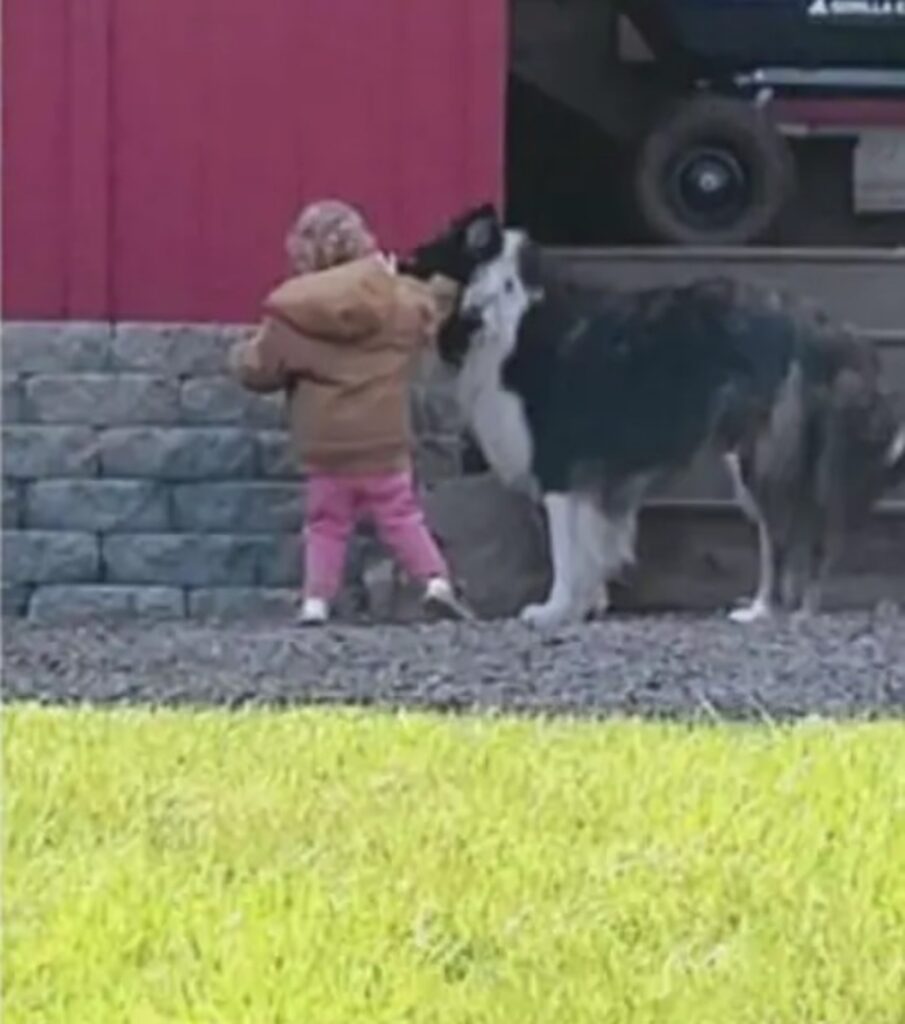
[
  {"x": 243, "y": 358},
  {"x": 253, "y": 367}
]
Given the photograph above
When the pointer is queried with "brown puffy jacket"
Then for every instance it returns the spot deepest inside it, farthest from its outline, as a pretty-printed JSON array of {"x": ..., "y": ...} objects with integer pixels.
[{"x": 343, "y": 343}]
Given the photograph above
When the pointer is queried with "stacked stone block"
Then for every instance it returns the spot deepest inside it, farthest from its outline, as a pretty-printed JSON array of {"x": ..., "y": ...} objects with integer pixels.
[{"x": 138, "y": 478}]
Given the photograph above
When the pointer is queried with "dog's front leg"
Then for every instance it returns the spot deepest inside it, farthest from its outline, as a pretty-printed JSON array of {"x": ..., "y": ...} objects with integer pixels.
[{"x": 561, "y": 605}]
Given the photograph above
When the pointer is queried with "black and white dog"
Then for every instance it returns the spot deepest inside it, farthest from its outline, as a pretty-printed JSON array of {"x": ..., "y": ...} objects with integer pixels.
[{"x": 586, "y": 401}]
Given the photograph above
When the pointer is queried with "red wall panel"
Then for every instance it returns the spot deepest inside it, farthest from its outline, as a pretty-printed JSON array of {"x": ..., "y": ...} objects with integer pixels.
[
  {"x": 35, "y": 149},
  {"x": 151, "y": 167}
]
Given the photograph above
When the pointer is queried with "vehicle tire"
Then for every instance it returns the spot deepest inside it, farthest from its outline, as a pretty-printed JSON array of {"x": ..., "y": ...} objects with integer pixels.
[{"x": 713, "y": 171}]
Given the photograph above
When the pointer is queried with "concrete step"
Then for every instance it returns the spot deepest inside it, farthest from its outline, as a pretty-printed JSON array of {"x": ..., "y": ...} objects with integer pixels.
[
  {"x": 706, "y": 482},
  {"x": 861, "y": 286},
  {"x": 701, "y": 558}
]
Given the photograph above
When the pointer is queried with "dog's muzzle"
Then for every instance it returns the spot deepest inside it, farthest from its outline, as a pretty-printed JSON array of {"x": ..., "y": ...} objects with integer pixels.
[
  {"x": 471, "y": 319},
  {"x": 456, "y": 334}
]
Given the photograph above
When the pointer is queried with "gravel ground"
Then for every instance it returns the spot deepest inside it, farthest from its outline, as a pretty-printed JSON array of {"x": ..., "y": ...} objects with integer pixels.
[{"x": 846, "y": 665}]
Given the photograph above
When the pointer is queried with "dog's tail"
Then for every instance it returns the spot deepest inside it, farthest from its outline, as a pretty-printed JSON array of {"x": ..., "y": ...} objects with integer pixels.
[{"x": 863, "y": 445}]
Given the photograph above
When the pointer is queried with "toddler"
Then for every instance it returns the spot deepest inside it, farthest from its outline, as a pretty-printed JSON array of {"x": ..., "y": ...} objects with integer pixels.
[{"x": 341, "y": 337}]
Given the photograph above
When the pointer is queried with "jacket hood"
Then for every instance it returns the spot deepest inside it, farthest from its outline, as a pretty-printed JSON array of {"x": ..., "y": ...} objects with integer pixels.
[{"x": 343, "y": 304}]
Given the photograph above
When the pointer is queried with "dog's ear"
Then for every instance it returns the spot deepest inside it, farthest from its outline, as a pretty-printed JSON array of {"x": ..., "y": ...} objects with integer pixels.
[
  {"x": 482, "y": 231},
  {"x": 477, "y": 212},
  {"x": 478, "y": 235},
  {"x": 486, "y": 209},
  {"x": 479, "y": 225}
]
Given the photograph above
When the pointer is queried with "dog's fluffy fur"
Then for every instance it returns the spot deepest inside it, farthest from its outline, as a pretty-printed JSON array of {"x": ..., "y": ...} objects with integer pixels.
[{"x": 586, "y": 401}]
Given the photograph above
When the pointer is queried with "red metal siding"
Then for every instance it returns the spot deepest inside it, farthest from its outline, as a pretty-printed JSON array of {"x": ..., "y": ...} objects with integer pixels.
[{"x": 156, "y": 149}]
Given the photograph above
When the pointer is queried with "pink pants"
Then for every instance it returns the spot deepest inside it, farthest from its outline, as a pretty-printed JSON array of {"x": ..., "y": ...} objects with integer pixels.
[{"x": 336, "y": 503}]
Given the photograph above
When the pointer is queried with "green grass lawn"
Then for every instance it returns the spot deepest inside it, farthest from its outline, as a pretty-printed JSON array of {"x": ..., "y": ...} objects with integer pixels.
[{"x": 317, "y": 866}]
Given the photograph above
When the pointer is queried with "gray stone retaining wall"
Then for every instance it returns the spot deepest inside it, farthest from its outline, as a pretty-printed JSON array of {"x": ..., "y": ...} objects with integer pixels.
[{"x": 138, "y": 478}]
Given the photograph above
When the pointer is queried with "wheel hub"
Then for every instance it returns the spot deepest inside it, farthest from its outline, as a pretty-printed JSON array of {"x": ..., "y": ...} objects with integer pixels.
[{"x": 709, "y": 186}]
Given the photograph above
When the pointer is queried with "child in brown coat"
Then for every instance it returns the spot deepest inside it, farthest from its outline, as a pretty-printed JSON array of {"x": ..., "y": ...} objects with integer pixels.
[{"x": 341, "y": 337}]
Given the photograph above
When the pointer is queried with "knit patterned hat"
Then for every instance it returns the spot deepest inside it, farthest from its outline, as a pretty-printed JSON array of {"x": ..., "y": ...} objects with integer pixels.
[{"x": 326, "y": 233}]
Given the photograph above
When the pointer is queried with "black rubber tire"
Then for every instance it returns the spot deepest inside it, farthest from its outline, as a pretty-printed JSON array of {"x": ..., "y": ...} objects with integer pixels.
[{"x": 735, "y": 127}]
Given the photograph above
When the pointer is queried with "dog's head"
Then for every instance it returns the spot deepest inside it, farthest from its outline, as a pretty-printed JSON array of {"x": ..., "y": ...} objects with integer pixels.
[
  {"x": 469, "y": 241},
  {"x": 504, "y": 287}
]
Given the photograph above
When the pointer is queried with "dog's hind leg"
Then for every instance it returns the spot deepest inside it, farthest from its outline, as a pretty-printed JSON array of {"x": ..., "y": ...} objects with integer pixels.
[
  {"x": 599, "y": 544},
  {"x": 812, "y": 597},
  {"x": 615, "y": 536},
  {"x": 761, "y": 605},
  {"x": 790, "y": 585},
  {"x": 821, "y": 555}
]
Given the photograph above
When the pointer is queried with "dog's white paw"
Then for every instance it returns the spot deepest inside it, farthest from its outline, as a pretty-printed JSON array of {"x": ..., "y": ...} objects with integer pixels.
[
  {"x": 546, "y": 616},
  {"x": 757, "y": 611},
  {"x": 600, "y": 605}
]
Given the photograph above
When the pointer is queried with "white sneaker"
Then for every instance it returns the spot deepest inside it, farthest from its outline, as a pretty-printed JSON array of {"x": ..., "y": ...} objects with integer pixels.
[
  {"x": 441, "y": 601},
  {"x": 315, "y": 612}
]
